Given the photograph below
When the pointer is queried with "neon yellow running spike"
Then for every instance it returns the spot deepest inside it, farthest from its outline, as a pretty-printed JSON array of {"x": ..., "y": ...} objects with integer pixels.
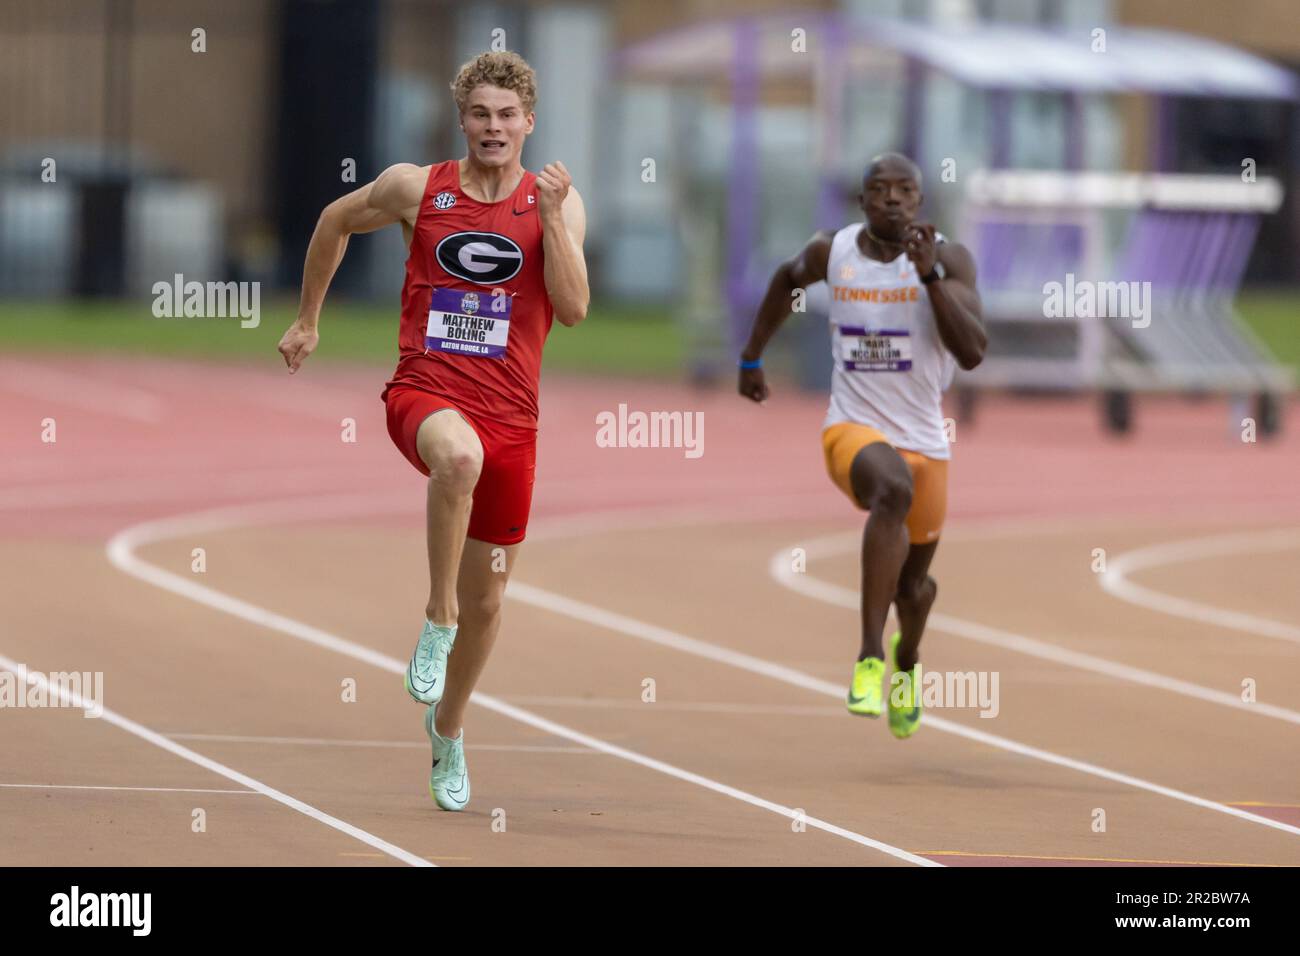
[
  {"x": 867, "y": 687},
  {"x": 904, "y": 694}
]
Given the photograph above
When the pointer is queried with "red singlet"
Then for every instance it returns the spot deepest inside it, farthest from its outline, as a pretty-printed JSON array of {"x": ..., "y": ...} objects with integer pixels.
[{"x": 475, "y": 312}]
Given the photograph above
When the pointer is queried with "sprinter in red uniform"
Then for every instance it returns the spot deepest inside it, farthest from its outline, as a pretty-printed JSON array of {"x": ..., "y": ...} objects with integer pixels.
[{"x": 495, "y": 254}]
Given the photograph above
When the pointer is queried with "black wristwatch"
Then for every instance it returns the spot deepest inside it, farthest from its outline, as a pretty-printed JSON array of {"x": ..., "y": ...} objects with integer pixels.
[{"x": 935, "y": 274}]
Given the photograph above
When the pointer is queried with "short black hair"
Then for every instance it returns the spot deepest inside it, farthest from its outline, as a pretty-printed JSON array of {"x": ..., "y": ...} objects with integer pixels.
[{"x": 896, "y": 159}]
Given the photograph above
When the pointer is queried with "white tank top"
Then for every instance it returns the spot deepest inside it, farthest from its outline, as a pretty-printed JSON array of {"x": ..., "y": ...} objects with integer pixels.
[{"x": 890, "y": 366}]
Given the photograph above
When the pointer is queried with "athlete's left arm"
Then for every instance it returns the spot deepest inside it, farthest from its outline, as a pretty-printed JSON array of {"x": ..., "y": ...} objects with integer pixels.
[
  {"x": 954, "y": 299},
  {"x": 564, "y": 226}
]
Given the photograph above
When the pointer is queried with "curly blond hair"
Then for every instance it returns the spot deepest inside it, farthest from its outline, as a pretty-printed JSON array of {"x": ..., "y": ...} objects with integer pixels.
[{"x": 508, "y": 70}]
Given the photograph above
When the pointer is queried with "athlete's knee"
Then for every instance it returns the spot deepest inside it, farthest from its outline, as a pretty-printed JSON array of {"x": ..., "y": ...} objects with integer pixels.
[
  {"x": 881, "y": 481},
  {"x": 891, "y": 496},
  {"x": 458, "y": 472},
  {"x": 454, "y": 466},
  {"x": 483, "y": 606},
  {"x": 451, "y": 451},
  {"x": 916, "y": 592}
]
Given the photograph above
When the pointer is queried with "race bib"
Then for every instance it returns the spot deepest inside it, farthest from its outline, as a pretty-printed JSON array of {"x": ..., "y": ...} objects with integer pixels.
[
  {"x": 466, "y": 323},
  {"x": 875, "y": 350}
]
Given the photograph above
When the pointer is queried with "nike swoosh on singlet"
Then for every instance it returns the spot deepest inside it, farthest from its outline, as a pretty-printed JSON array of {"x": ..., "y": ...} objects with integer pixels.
[{"x": 525, "y": 212}]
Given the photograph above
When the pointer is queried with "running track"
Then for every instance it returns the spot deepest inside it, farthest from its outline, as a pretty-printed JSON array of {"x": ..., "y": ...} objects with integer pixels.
[{"x": 1120, "y": 694}]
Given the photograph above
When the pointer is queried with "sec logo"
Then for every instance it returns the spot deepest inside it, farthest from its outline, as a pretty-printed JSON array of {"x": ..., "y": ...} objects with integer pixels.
[{"x": 444, "y": 200}]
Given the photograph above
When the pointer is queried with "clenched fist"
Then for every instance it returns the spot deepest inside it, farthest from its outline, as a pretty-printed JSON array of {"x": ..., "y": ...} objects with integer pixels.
[
  {"x": 553, "y": 184},
  {"x": 753, "y": 385},
  {"x": 297, "y": 343}
]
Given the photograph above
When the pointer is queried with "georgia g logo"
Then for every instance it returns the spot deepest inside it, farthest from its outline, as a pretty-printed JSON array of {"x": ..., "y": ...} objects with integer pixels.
[{"x": 483, "y": 258}]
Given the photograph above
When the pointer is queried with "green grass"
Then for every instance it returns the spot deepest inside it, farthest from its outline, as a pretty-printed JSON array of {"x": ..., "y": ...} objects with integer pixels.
[
  {"x": 1275, "y": 318},
  {"x": 614, "y": 339}
]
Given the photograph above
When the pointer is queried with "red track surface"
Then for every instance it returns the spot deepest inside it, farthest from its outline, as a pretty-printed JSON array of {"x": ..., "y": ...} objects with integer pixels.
[{"x": 143, "y": 439}]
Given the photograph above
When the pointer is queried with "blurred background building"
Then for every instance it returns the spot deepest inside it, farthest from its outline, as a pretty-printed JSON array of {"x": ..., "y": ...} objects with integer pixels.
[
  {"x": 238, "y": 147},
  {"x": 203, "y": 137}
]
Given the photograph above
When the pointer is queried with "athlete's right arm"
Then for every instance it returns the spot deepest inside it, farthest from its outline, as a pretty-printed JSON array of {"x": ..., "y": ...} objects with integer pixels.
[
  {"x": 797, "y": 273},
  {"x": 395, "y": 196}
]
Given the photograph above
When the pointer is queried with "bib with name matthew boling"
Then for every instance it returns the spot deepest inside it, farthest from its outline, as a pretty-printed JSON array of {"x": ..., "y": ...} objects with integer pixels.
[{"x": 466, "y": 323}]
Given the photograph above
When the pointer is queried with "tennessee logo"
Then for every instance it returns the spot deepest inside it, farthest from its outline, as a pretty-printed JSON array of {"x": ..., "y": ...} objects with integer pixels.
[
  {"x": 903, "y": 294},
  {"x": 484, "y": 258}
]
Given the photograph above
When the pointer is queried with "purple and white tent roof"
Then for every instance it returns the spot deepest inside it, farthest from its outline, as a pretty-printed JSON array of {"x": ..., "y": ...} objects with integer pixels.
[{"x": 985, "y": 55}]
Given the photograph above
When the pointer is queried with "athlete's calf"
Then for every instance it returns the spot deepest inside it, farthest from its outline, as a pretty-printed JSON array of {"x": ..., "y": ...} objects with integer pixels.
[{"x": 882, "y": 483}]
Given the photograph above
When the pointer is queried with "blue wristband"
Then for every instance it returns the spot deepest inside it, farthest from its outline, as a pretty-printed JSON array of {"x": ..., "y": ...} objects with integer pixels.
[{"x": 757, "y": 363}]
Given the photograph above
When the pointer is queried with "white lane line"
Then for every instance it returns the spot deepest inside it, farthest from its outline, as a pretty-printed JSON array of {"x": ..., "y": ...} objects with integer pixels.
[
  {"x": 77, "y": 391},
  {"x": 1114, "y": 580},
  {"x": 121, "y": 548},
  {"x": 632, "y": 627},
  {"x": 685, "y": 706},
  {"x": 804, "y": 583},
  {"x": 71, "y": 699},
  {"x": 401, "y": 744},
  {"x": 735, "y": 793},
  {"x": 68, "y": 786}
]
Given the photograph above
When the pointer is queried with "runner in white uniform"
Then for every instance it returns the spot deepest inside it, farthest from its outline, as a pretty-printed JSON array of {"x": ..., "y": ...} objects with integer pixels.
[
  {"x": 904, "y": 313},
  {"x": 891, "y": 367}
]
